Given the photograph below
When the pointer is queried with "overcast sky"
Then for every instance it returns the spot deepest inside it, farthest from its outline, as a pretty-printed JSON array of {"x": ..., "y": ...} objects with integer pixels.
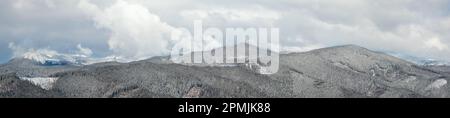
[{"x": 141, "y": 28}]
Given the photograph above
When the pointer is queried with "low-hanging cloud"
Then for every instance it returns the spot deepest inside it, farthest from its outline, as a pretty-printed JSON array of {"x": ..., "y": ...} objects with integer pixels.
[{"x": 81, "y": 56}]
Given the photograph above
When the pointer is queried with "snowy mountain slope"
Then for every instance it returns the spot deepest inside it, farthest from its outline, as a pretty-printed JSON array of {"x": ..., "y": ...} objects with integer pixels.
[{"x": 342, "y": 71}]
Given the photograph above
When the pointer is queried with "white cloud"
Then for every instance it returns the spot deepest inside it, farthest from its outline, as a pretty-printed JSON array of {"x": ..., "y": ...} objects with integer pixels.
[
  {"x": 50, "y": 3},
  {"x": 20, "y": 4},
  {"x": 84, "y": 51},
  {"x": 41, "y": 55},
  {"x": 436, "y": 43},
  {"x": 136, "y": 33}
]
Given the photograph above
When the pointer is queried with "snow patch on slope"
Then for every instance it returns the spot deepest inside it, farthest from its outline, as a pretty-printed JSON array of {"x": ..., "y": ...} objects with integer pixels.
[
  {"x": 437, "y": 84},
  {"x": 43, "y": 82}
]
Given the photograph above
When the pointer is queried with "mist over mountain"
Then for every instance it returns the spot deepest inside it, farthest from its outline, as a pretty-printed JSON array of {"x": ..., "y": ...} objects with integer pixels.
[{"x": 341, "y": 71}]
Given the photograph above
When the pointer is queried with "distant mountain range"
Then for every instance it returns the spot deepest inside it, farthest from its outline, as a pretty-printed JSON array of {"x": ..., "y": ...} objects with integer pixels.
[
  {"x": 342, "y": 71},
  {"x": 421, "y": 61}
]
